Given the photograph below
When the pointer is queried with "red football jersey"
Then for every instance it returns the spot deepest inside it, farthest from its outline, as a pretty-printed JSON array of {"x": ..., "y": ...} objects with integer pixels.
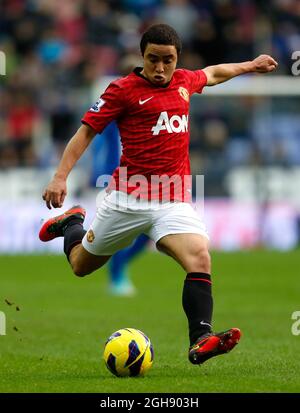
[{"x": 153, "y": 122}]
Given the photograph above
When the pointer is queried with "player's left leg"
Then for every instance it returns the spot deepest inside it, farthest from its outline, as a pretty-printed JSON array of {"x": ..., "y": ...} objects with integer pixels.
[
  {"x": 191, "y": 252},
  {"x": 179, "y": 232}
]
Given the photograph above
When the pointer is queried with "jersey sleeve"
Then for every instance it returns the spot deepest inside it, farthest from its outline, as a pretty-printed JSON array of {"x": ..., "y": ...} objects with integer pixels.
[
  {"x": 197, "y": 79},
  {"x": 108, "y": 107}
]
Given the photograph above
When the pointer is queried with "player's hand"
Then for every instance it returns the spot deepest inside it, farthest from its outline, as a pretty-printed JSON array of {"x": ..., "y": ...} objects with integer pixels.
[
  {"x": 55, "y": 193},
  {"x": 264, "y": 64}
]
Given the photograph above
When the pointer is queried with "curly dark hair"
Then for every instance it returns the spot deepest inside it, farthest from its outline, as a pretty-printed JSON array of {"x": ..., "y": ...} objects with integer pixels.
[{"x": 160, "y": 34}]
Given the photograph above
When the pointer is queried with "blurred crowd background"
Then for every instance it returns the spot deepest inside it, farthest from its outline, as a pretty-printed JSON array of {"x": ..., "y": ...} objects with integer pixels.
[{"x": 57, "y": 53}]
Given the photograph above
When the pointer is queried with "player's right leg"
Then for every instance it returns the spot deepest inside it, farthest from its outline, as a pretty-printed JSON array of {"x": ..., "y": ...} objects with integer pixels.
[
  {"x": 70, "y": 226},
  {"x": 83, "y": 262},
  {"x": 55, "y": 227},
  {"x": 112, "y": 229}
]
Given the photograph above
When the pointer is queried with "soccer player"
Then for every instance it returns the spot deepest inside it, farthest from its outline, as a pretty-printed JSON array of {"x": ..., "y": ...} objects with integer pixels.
[{"x": 151, "y": 108}]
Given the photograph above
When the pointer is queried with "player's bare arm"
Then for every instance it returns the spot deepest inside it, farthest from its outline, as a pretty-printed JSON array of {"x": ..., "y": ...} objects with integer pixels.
[
  {"x": 56, "y": 191},
  {"x": 223, "y": 72}
]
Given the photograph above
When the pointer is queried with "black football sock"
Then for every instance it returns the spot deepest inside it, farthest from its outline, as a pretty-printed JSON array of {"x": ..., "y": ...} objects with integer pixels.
[
  {"x": 197, "y": 303},
  {"x": 73, "y": 234}
]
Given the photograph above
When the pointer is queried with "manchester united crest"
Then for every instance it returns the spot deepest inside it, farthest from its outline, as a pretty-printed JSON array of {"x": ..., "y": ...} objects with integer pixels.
[
  {"x": 90, "y": 236},
  {"x": 184, "y": 93}
]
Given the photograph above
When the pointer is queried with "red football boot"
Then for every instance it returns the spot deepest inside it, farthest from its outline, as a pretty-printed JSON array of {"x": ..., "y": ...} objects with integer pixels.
[
  {"x": 213, "y": 344},
  {"x": 54, "y": 227}
]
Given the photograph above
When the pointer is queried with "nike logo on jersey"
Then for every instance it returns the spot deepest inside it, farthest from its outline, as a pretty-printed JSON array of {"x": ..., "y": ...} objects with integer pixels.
[
  {"x": 175, "y": 124},
  {"x": 141, "y": 102}
]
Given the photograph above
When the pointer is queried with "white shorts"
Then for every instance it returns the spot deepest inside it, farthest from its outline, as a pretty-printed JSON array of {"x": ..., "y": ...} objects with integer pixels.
[{"x": 120, "y": 218}]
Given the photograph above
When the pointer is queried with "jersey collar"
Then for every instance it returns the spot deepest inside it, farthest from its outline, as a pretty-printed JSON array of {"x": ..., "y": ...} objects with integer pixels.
[{"x": 137, "y": 72}]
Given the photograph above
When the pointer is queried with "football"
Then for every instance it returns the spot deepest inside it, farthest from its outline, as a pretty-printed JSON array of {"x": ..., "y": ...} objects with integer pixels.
[{"x": 128, "y": 352}]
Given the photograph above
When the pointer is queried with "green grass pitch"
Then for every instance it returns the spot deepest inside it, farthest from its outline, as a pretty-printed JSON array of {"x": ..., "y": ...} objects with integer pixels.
[{"x": 57, "y": 325}]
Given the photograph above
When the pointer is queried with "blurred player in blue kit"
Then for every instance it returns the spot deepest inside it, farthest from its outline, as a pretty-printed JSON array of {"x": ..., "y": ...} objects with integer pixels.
[{"x": 105, "y": 158}]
